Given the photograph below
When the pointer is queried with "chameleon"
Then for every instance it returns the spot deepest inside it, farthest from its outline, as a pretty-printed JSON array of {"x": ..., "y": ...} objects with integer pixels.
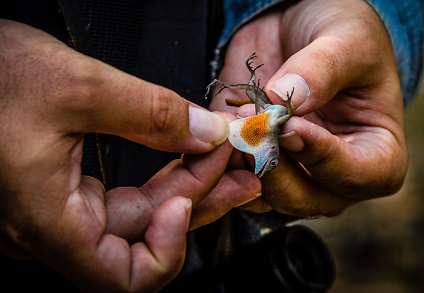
[{"x": 257, "y": 135}]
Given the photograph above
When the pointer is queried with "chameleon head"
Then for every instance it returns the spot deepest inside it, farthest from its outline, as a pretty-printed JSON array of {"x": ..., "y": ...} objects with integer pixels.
[{"x": 266, "y": 159}]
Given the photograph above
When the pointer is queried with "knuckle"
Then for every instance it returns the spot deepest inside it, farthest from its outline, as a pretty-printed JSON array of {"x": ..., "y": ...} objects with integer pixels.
[{"x": 165, "y": 111}]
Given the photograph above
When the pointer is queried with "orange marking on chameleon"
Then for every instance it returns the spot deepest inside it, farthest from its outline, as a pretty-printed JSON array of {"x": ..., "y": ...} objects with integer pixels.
[{"x": 254, "y": 129}]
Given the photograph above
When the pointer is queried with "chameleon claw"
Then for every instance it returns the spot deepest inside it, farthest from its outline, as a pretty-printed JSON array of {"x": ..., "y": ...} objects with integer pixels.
[
  {"x": 252, "y": 70},
  {"x": 289, "y": 103}
]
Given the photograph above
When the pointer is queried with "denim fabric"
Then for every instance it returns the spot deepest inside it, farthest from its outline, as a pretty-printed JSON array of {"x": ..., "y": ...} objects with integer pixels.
[
  {"x": 403, "y": 19},
  {"x": 237, "y": 12},
  {"x": 405, "y": 22}
]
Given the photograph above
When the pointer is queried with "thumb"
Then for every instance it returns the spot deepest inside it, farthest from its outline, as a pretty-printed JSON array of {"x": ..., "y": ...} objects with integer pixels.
[
  {"x": 317, "y": 73},
  {"x": 313, "y": 77},
  {"x": 124, "y": 105},
  {"x": 69, "y": 93},
  {"x": 165, "y": 244}
]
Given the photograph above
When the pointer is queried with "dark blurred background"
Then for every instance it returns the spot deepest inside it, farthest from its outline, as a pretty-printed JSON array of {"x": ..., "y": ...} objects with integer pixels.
[{"x": 378, "y": 245}]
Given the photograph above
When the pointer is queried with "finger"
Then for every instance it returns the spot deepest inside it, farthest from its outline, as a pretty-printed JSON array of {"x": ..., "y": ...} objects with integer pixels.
[
  {"x": 317, "y": 74},
  {"x": 149, "y": 114},
  {"x": 235, "y": 188},
  {"x": 329, "y": 55},
  {"x": 84, "y": 251},
  {"x": 333, "y": 169},
  {"x": 195, "y": 176},
  {"x": 338, "y": 161},
  {"x": 291, "y": 190},
  {"x": 115, "y": 266},
  {"x": 165, "y": 245},
  {"x": 258, "y": 205},
  {"x": 72, "y": 93}
]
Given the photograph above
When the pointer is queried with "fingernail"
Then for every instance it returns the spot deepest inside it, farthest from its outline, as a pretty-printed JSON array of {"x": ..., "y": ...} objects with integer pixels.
[
  {"x": 291, "y": 141},
  {"x": 188, "y": 212},
  {"x": 207, "y": 126},
  {"x": 256, "y": 195},
  {"x": 284, "y": 86}
]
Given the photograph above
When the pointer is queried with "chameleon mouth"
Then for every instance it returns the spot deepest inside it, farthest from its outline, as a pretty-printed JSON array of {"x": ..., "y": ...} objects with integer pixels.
[
  {"x": 261, "y": 172},
  {"x": 268, "y": 166}
]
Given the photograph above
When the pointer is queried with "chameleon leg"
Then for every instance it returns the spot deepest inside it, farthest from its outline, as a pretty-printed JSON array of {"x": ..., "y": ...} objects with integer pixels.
[
  {"x": 289, "y": 107},
  {"x": 253, "y": 91},
  {"x": 241, "y": 86},
  {"x": 288, "y": 102},
  {"x": 251, "y": 69}
]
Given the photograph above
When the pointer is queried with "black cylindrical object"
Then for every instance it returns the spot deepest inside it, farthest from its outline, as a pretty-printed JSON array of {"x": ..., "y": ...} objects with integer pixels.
[{"x": 293, "y": 259}]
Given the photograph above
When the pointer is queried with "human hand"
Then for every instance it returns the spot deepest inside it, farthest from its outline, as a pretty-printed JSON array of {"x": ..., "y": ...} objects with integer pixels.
[
  {"x": 50, "y": 96},
  {"x": 347, "y": 142}
]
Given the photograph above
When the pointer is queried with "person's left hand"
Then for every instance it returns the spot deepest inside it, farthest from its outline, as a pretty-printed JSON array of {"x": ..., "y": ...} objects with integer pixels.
[
  {"x": 347, "y": 142},
  {"x": 123, "y": 240}
]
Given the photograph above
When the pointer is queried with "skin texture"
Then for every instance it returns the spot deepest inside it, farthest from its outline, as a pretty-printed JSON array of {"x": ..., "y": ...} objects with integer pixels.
[
  {"x": 126, "y": 239},
  {"x": 346, "y": 141}
]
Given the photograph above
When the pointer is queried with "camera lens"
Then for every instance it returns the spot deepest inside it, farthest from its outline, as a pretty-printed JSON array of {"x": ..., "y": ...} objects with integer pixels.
[
  {"x": 293, "y": 259},
  {"x": 308, "y": 260},
  {"x": 302, "y": 263}
]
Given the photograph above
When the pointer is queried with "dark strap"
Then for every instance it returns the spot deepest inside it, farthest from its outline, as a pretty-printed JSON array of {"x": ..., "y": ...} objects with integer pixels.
[
  {"x": 172, "y": 53},
  {"x": 78, "y": 28},
  {"x": 161, "y": 41},
  {"x": 77, "y": 24}
]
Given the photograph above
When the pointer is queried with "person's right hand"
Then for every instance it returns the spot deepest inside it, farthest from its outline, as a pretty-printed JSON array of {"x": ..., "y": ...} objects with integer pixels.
[
  {"x": 50, "y": 95},
  {"x": 346, "y": 141}
]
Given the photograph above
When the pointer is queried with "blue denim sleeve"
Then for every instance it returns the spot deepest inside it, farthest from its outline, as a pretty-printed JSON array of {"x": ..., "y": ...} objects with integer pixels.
[
  {"x": 405, "y": 23},
  {"x": 238, "y": 12}
]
